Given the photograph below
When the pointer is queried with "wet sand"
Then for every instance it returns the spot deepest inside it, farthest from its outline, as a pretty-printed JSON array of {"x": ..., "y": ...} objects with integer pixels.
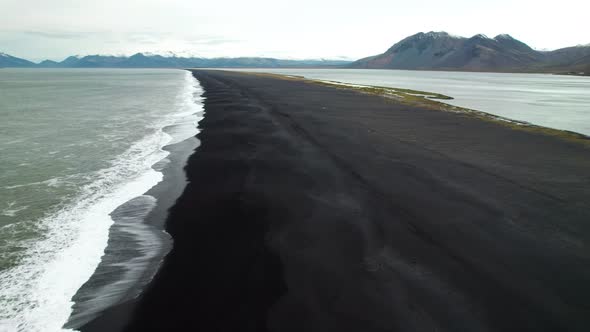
[{"x": 311, "y": 208}]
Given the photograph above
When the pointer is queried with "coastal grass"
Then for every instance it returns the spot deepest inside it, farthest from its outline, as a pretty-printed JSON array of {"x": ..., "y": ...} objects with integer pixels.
[{"x": 431, "y": 100}]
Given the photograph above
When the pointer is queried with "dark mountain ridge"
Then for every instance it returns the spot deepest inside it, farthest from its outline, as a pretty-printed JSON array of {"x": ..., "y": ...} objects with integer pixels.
[
  {"x": 11, "y": 61},
  {"x": 422, "y": 51},
  {"x": 503, "y": 53},
  {"x": 146, "y": 60}
]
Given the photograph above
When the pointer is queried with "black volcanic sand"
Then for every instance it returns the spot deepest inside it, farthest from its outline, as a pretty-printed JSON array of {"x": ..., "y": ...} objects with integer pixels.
[{"x": 312, "y": 208}]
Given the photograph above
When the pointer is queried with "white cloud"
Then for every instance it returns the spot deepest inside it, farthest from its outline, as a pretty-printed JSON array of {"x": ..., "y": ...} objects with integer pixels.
[{"x": 302, "y": 29}]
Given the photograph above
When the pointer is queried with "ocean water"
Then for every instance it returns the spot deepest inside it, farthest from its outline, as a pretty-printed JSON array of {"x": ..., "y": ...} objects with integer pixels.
[
  {"x": 78, "y": 149},
  {"x": 554, "y": 101}
]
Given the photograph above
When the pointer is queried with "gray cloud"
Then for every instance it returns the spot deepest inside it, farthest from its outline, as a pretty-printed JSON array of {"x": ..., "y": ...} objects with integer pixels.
[
  {"x": 59, "y": 35},
  {"x": 58, "y": 28}
]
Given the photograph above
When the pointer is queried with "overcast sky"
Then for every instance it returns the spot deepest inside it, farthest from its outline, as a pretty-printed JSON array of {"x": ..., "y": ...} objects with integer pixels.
[{"x": 54, "y": 29}]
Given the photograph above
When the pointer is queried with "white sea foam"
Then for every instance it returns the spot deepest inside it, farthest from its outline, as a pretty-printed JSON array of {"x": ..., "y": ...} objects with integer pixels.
[
  {"x": 38, "y": 292},
  {"x": 186, "y": 120},
  {"x": 53, "y": 182},
  {"x": 12, "y": 210}
]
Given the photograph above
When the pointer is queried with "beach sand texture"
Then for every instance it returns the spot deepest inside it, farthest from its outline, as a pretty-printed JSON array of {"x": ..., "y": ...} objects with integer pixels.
[{"x": 311, "y": 208}]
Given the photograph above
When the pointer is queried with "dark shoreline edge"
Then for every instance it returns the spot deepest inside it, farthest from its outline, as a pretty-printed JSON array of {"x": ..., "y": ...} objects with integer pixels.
[
  {"x": 316, "y": 209},
  {"x": 121, "y": 248},
  {"x": 128, "y": 316}
]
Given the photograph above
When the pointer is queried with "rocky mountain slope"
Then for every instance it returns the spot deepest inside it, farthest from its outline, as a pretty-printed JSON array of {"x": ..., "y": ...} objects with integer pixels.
[
  {"x": 11, "y": 61},
  {"x": 503, "y": 53}
]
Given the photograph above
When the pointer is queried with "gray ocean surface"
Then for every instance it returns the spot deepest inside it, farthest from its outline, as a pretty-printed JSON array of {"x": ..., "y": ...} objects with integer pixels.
[
  {"x": 75, "y": 144},
  {"x": 554, "y": 101}
]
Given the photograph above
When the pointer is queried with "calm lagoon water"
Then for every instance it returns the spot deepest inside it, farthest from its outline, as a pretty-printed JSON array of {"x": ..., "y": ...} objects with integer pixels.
[{"x": 554, "y": 101}]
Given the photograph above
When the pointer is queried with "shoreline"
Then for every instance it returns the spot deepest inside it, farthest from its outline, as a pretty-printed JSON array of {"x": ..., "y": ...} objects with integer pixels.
[
  {"x": 315, "y": 208},
  {"x": 140, "y": 261},
  {"x": 436, "y": 101},
  {"x": 137, "y": 240}
]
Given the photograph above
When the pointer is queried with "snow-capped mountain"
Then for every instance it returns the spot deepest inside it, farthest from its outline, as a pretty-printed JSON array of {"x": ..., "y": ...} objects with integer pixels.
[{"x": 176, "y": 60}]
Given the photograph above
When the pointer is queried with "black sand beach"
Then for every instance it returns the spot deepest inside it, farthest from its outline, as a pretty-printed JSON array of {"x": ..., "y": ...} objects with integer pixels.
[{"x": 311, "y": 208}]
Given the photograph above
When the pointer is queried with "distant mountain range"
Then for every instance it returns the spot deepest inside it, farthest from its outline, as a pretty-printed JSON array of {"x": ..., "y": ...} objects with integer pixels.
[
  {"x": 422, "y": 51},
  {"x": 141, "y": 60},
  {"x": 442, "y": 51},
  {"x": 10, "y": 61}
]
